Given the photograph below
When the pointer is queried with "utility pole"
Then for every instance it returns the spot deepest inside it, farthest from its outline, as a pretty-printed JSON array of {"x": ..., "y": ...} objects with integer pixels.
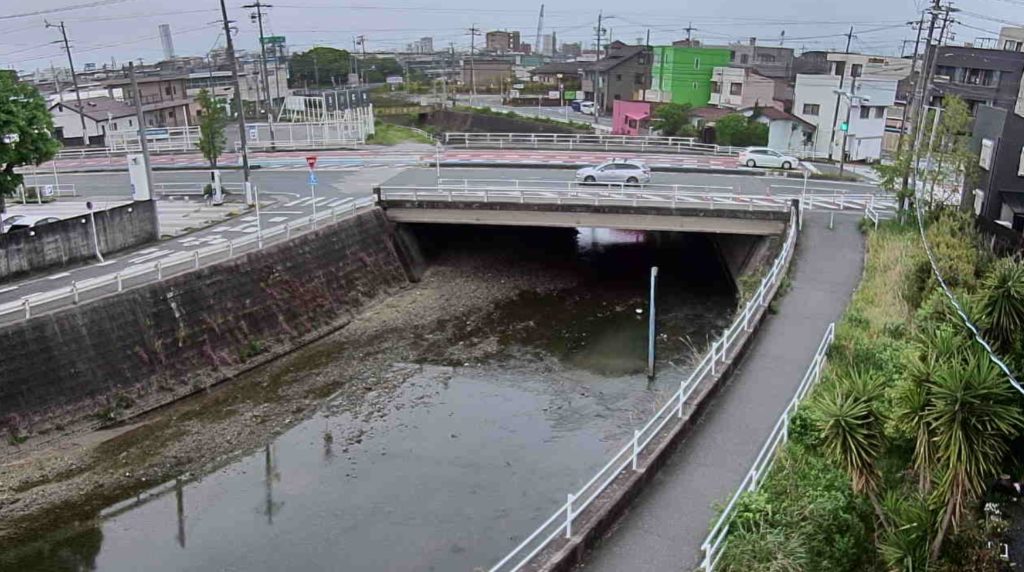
[
  {"x": 907, "y": 104},
  {"x": 142, "y": 131},
  {"x": 600, "y": 33},
  {"x": 922, "y": 101},
  {"x": 842, "y": 76},
  {"x": 689, "y": 28},
  {"x": 361, "y": 40},
  {"x": 597, "y": 90},
  {"x": 74, "y": 77},
  {"x": 473, "y": 33},
  {"x": 263, "y": 60},
  {"x": 238, "y": 102},
  {"x": 647, "y": 54}
]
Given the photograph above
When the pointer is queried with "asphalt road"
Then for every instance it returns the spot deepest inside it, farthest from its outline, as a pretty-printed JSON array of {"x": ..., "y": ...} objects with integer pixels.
[{"x": 746, "y": 184}]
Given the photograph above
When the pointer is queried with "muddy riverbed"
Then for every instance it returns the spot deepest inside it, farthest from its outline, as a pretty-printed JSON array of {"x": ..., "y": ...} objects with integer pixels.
[{"x": 432, "y": 433}]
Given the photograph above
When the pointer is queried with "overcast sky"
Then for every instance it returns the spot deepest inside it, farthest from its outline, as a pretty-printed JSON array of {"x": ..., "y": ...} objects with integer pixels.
[{"x": 103, "y": 29}]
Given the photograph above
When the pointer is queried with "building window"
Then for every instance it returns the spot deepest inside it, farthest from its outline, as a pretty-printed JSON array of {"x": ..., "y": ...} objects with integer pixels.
[
  {"x": 811, "y": 109},
  {"x": 985, "y": 161},
  {"x": 855, "y": 70},
  {"x": 639, "y": 79},
  {"x": 732, "y": 55},
  {"x": 865, "y": 112},
  {"x": 696, "y": 63},
  {"x": 170, "y": 114},
  {"x": 1012, "y": 45},
  {"x": 167, "y": 90},
  {"x": 880, "y": 112},
  {"x": 838, "y": 68},
  {"x": 744, "y": 58},
  {"x": 716, "y": 87},
  {"x": 130, "y": 124},
  {"x": 617, "y": 97},
  {"x": 766, "y": 58},
  {"x": 618, "y": 77},
  {"x": 694, "y": 85},
  {"x": 735, "y": 88}
]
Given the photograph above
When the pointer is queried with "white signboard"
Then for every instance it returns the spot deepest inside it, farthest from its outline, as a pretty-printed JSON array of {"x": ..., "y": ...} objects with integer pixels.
[
  {"x": 254, "y": 133},
  {"x": 518, "y": 86},
  {"x": 513, "y": 93},
  {"x": 986, "y": 154},
  {"x": 48, "y": 190},
  {"x": 553, "y": 94},
  {"x": 394, "y": 79}
]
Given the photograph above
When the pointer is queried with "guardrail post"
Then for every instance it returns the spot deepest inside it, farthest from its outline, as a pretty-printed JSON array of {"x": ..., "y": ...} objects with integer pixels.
[
  {"x": 120, "y": 282},
  {"x": 714, "y": 352},
  {"x": 636, "y": 446},
  {"x": 28, "y": 307},
  {"x": 287, "y": 230},
  {"x": 159, "y": 271},
  {"x": 74, "y": 290},
  {"x": 195, "y": 258},
  {"x": 231, "y": 249},
  {"x": 568, "y": 516},
  {"x": 679, "y": 411}
]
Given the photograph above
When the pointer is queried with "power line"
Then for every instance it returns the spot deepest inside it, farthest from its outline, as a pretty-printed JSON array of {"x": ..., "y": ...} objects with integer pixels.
[{"x": 95, "y": 4}]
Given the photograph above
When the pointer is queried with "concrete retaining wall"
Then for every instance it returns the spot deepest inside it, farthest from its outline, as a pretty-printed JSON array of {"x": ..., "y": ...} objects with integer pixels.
[
  {"x": 169, "y": 338},
  {"x": 68, "y": 241}
]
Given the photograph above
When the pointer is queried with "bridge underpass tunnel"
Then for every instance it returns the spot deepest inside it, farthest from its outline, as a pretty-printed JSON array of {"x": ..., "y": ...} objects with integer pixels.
[{"x": 586, "y": 295}]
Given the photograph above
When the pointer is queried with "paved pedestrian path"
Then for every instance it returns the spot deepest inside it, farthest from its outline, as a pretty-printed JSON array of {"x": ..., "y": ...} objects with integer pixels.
[{"x": 665, "y": 526}]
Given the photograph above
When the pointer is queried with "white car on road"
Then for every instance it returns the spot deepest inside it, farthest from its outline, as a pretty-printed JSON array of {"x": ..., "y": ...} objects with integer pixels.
[
  {"x": 587, "y": 107},
  {"x": 622, "y": 171},
  {"x": 765, "y": 157}
]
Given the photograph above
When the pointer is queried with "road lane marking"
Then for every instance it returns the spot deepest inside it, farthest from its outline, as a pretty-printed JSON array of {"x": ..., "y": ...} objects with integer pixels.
[
  {"x": 10, "y": 289},
  {"x": 61, "y": 275}
]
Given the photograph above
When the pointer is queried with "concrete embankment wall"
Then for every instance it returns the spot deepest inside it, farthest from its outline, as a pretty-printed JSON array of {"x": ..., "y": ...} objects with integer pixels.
[
  {"x": 172, "y": 337},
  {"x": 69, "y": 241}
]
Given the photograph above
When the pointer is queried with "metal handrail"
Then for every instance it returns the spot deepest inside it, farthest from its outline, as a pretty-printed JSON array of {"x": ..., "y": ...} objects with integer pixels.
[
  {"x": 714, "y": 544},
  {"x": 180, "y": 262},
  {"x": 606, "y": 142},
  {"x": 628, "y": 457}
]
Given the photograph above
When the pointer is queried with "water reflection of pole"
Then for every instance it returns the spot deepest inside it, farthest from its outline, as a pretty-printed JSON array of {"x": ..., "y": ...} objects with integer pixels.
[
  {"x": 650, "y": 326},
  {"x": 179, "y": 493},
  {"x": 269, "y": 483}
]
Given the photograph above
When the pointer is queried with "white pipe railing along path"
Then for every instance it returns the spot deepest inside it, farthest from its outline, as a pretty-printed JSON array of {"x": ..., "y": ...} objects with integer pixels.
[
  {"x": 585, "y": 142},
  {"x": 714, "y": 544},
  {"x": 630, "y": 456},
  {"x": 173, "y": 264}
]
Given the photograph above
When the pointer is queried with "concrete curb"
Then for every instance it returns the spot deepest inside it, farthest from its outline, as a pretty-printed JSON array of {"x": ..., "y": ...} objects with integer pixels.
[{"x": 601, "y": 516}]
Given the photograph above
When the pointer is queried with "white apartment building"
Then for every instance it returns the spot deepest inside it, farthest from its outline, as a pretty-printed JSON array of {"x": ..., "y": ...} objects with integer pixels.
[{"x": 817, "y": 103}]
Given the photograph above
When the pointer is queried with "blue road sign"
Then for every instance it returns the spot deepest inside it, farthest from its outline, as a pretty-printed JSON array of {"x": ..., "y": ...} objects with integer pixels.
[{"x": 312, "y": 178}]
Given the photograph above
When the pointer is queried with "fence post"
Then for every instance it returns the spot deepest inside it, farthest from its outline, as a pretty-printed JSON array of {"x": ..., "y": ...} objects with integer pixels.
[
  {"x": 568, "y": 516},
  {"x": 636, "y": 446},
  {"x": 714, "y": 352},
  {"x": 195, "y": 257},
  {"x": 679, "y": 412},
  {"x": 120, "y": 282},
  {"x": 74, "y": 290},
  {"x": 287, "y": 230},
  {"x": 159, "y": 271},
  {"x": 231, "y": 249}
]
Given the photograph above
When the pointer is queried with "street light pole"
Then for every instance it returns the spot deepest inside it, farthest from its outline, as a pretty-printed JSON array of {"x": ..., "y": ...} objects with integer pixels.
[
  {"x": 263, "y": 60},
  {"x": 142, "y": 131},
  {"x": 74, "y": 78},
  {"x": 238, "y": 99}
]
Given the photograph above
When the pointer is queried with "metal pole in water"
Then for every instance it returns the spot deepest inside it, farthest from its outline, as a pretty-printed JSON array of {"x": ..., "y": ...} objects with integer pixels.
[{"x": 650, "y": 326}]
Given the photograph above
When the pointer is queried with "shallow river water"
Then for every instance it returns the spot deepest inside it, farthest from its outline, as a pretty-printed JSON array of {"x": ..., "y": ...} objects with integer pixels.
[{"x": 453, "y": 467}]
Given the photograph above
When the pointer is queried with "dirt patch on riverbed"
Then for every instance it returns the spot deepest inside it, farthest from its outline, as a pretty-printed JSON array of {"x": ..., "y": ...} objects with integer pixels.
[{"x": 445, "y": 319}]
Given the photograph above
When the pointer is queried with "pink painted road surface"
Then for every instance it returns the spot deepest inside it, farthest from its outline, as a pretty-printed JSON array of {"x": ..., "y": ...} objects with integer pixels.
[{"x": 351, "y": 159}]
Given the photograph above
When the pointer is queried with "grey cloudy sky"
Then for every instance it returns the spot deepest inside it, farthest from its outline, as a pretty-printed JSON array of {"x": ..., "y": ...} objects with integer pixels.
[{"x": 123, "y": 29}]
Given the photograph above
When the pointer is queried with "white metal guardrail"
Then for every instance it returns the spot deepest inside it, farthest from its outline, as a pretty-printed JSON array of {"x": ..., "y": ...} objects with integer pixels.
[
  {"x": 583, "y": 142},
  {"x": 628, "y": 458},
  {"x": 714, "y": 544},
  {"x": 192, "y": 188},
  {"x": 669, "y": 196},
  {"x": 178, "y": 263}
]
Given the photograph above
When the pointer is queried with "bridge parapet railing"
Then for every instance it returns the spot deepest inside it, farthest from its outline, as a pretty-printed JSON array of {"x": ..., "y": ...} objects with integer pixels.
[
  {"x": 714, "y": 545},
  {"x": 633, "y": 454},
  {"x": 178, "y": 263},
  {"x": 586, "y": 141}
]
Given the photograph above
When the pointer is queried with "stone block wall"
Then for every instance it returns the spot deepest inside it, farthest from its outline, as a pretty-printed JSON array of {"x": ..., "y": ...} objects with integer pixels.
[
  {"x": 68, "y": 241},
  {"x": 196, "y": 327}
]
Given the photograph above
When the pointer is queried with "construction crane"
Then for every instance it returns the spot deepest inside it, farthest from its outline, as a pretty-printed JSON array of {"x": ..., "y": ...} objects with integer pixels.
[{"x": 540, "y": 29}]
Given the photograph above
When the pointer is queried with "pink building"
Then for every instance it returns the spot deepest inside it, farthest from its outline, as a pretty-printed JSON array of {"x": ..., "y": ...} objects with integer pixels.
[{"x": 631, "y": 117}]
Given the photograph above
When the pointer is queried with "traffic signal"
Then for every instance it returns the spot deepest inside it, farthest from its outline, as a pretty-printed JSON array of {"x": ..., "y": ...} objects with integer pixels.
[{"x": 844, "y": 126}]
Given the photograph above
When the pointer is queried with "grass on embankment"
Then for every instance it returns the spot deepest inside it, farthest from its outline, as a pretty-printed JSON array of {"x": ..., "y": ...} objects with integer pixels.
[{"x": 391, "y": 134}]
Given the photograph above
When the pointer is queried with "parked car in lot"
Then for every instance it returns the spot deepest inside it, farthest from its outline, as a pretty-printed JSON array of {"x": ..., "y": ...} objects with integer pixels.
[
  {"x": 623, "y": 171},
  {"x": 765, "y": 157},
  {"x": 14, "y": 223}
]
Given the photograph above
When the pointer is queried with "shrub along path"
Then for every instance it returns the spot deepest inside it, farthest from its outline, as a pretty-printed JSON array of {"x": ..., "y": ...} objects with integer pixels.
[{"x": 666, "y": 525}]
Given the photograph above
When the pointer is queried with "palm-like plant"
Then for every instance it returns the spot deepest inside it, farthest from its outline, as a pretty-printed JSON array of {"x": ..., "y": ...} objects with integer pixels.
[
  {"x": 904, "y": 546},
  {"x": 851, "y": 427},
  {"x": 972, "y": 412},
  {"x": 1001, "y": 302}
]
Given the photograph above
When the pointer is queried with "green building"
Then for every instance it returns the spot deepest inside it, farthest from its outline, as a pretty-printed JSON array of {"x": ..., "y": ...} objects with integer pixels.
[{"x": 683, "y": 74}]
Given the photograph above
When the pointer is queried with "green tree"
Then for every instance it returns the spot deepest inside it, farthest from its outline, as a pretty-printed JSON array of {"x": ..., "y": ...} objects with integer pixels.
[
  {"x": 739, "y": 130},
  {"x": 972, "y": 413},
  {"x": 211, "y": 127},
  {"x": 946, "y": 160},
  {"x": 850, "y": 421},
  {"x": 1001, "y": 303},
  {"x": 376, "y": 70},
  {"x": 25, "y": 127},
  {"x": 320, "y": 63},
  {"x": 673, "y": 120}
]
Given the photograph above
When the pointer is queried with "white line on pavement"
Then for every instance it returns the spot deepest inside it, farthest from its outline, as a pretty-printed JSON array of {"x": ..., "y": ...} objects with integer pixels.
[
  {"x": 60, "y": 275},
  {"x": 11, "y": 289}
]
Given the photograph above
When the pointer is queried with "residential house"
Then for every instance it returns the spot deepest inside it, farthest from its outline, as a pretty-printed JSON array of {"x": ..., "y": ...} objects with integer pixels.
[
  {"x": 998, "y": 140},
  {"x": 554, "y": 73},
  {"x": 817, "y": 103},
  {"x": 486, "y": 73},
  {"x": 767, "y": 61},
  {"x": 1011, "y": 38},
  {"x": 623, "y": 74},
  {"x": 855, "y": 65},
  {"x": 979, "y": 76},
  {"x": 739, "y": 88},
  {"x": 101, "y": 114},
  {"x": 631, "y": 117},
  {"x": 786, "y": 132},
  {"x": 682, "y": 74},
  {"x": 164, "y": 98}
]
